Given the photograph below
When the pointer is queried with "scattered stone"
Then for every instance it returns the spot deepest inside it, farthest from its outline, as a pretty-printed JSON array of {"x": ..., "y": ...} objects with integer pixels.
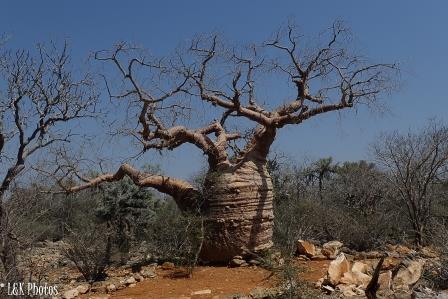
[
  {"x": 254, "y": 262},
  {"x": 355, "y": 278},
  {"x": 111, "y": 288},
  {"x": 201, "y": 292},
  {"x": 408, "y": 276},
  {"x": 148, "y": 273},
  {"x": 319, "y": 283},
  {"x": 82, "y": 289},
  {"x": 237, "y": 261},
  {"x": 132, "y": 285},
  {"x": 167, "y": 266},
  {"x": 138, "y": 277},
  {"x": 130, "y": 280},
  {"x": 306, "y": 248},
  {"x": 98, "y": 288},
  {"x": 360, "y": 267},
  {"x": 337, "y": 269},
  {"x": 331, "y": 249},
  {"x": 70, "y": 294},
  {"x": 328, "y": 289},
  {"x": 346, "y": 290}
]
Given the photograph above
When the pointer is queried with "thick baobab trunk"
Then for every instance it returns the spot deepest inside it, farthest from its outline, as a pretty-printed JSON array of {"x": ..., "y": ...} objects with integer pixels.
[
  {"x": 238, "y": 212},
  {"x": 238, "y": 208}
]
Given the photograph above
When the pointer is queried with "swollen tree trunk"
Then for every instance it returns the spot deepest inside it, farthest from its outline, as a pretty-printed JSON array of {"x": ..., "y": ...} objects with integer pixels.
[
  {"x": 238, "y": 207},
  {"x": 238, "y": 212}
]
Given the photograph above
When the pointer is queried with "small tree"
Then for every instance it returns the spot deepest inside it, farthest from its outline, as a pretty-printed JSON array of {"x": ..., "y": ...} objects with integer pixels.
[
  {"x": 417, "y": 166},
  {"x": 126, "y": 209},
  {"x": 39, "y": 97},
  {"x": 321, "y": 170}
]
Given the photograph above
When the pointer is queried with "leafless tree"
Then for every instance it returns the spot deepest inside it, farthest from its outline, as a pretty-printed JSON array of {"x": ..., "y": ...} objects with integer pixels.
[
  {"x": 40, "y": 95},
  {"x": 417, "y": 164},
  {"x": 163, "y": 92}
]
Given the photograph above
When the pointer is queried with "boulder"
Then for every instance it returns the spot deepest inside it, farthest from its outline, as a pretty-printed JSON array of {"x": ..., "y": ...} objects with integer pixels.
[
  {"x": 254, "y": 262},
  {"x": 306, "y": 248},
  {"x": 355, "y": 278},
  {"x": 346, "y": 290},
  {"x": 409, "y": 275},
  {"x": 385, "y": 280},
  {"x": 360, "y": 267},
  {"x": 337, "y": 268},
  {"x": 83, "y": 288},
  {"x": 111, "y": 288},
  {"x": 138, "y": 277},
  {"x": 331, "y": 249},
  {"x": 70, "y": 294},
  {"x": 130, "y": 280},
  {"x": 237, "y": 261}
]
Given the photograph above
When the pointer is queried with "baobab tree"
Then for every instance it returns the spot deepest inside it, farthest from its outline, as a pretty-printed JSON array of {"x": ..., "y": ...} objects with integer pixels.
[
  {"x": 237, "y": 205},
  {"x": 40, "y": 95}
]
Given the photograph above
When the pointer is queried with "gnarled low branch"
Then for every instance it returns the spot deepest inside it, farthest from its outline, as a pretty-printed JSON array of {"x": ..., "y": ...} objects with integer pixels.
[{"x": 185, "y": 195}]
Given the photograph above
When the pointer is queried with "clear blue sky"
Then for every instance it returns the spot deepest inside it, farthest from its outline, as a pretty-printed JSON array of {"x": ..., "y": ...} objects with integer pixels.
[{"x": 413, "y": 33}]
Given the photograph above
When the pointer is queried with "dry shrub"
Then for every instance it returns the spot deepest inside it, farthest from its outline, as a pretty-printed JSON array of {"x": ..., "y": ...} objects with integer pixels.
[{"x": 89, "y": 249}]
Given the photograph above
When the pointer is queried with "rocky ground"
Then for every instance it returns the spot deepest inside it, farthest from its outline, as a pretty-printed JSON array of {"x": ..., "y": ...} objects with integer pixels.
[{"x": 329, "y": 271}]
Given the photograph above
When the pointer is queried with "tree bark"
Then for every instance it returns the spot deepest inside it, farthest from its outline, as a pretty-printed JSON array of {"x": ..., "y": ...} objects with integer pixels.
[
  {"x": 238, "y": 212},
  {"x": 238, "y": 208}
]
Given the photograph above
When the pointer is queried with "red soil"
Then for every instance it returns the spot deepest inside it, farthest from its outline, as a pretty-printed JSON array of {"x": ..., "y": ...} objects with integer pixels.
[{"x": 220, "y": 280}]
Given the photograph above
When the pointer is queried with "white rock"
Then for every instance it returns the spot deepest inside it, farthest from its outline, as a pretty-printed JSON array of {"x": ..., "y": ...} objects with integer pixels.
[
  {"x": 408, "y": 276},
  {"x": 331, "y": 249},
  {"x": 138, "y": 277},
  {"x": 83, "y": 288},
  {"x": 355, "y": 278},
  {"x": 360, "y": 267},
  {"x": 347, "y": 290},
  {"x": 70, "y": 294},
  {"x": 130, "y": 280},
  {"x": 111, "y": 288},
  {"x": 337, "y": 269},
  {"x": 202, "y": 292}
]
